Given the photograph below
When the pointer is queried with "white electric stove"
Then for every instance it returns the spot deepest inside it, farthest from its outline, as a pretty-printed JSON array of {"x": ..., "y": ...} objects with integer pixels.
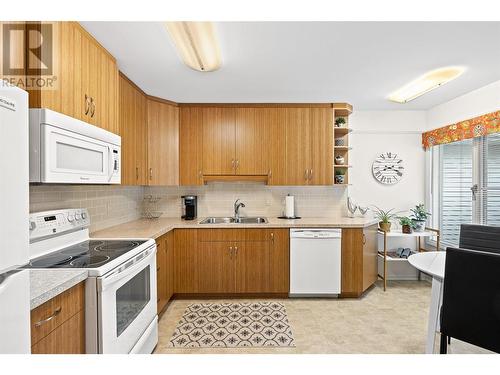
[{"x": 120, "y": 305}]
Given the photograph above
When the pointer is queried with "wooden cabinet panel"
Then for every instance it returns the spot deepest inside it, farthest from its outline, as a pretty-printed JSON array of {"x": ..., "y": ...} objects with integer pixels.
[
  {"x": 251, "y": 264},
  {"x": 218, "y": 235},
  {"x": 68, "y": 338},
  {"x": 359, "y": 260},
  {"x": 169, "y": 262},
  {"x": 163, "y": 143},
  {"x": 186, "y": 261},
  {"x": 279, "y": 261},
  {"x": 251, "y": 153},
  {"x": 275, "y": 143},
  {"x": 218, "y": 141},
  {"x": 87, "y": 79},
  {"x": 133, "y": 130},
  {"x": 370, "y": 256},
  {"x": 161, "y": 274},
  {"x": 298, "y": 145},
  {"x": 216, "y": 267},
  {"x": 190, "y": 146},
  {"x": 58, "y": 325},
  {"x": 321, "y": 129},
  {"x": 46, "y": 317}
]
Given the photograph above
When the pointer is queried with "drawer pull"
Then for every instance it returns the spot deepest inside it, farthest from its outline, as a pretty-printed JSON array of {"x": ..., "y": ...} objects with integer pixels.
[{"x": 43, "y": 321}]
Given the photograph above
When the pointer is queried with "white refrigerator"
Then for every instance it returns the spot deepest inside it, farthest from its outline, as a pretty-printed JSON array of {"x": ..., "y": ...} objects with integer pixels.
[{"x": 14, "y": 213}]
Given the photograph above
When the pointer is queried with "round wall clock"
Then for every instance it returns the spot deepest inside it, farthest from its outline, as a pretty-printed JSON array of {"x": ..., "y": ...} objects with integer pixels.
[{"x": 388, "y": 168}]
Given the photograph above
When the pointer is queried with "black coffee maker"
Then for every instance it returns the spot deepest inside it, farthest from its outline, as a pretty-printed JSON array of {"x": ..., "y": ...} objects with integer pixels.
[{"x": 189, "y": 207}]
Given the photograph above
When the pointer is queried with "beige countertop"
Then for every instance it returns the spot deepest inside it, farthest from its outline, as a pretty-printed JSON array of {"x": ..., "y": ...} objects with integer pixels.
[
  {"x": 45, "y": 284},
  {"x": 154, "y": 228}
]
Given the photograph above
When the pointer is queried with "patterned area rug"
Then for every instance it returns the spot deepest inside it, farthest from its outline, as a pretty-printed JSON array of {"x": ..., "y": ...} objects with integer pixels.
[{"x": 229, "y": 325}]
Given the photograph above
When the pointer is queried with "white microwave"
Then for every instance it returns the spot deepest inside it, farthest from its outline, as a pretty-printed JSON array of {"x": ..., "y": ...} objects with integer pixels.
[{"x": 64, "y": 150}]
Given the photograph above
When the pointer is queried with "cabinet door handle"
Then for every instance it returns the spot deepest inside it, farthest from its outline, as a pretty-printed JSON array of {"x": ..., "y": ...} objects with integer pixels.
[
  {"x": 232, "y": 164},
  {"x": 272, "y": 237},
  {"x": 236, "y": 251},
  {"x": 93, "y": 107},
  {"x": 136, "y": 173},
  {"x": 54, "y": 314},
  {"x": 87, "y": 105},
  {"x": 364, "y": 239},
  {"x": 231, "y": 252},
  {"x": 200, "y": 174},
  {"x": 270, "y": 173},
  {"x": 150, "y": 173},
  {"x": 305, "y": 174},
  {"x": 237, "y": 164},
  {"x": 310, "y": 174}
]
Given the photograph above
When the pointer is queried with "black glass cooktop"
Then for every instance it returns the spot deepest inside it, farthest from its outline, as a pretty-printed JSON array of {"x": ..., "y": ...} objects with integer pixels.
[{"x": 87, "y": 254}]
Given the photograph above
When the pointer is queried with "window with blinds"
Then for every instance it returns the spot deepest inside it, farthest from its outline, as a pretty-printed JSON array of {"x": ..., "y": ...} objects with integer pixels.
[
  {"x": 489, "y": 198},
  {"x": 455, "y": 189},
  {"x": 467, "y": 176}
]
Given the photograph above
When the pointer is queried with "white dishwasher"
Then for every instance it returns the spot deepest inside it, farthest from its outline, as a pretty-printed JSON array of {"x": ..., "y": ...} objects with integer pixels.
[{"x": 315, "y": 261}]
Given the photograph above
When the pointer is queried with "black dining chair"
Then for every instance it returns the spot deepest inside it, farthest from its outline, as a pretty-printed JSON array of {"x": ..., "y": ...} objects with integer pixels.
[
  {"x": 471, "y": 297},
  {"x": 480, "y": 237}
]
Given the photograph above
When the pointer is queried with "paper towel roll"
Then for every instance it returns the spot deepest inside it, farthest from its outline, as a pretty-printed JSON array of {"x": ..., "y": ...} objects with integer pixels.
[{"x": 289, "y": 206}]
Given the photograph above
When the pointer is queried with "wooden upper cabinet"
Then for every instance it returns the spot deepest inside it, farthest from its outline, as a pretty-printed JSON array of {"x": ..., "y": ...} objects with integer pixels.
[
  {"x": 218, "y": 141},
  {"x": 190, "y": 146},
  {"x": 251, "y": 156},
  {"x": 133, "y": 130},
  {"x": 87, "y": 79},
  {"x": 321, "y": 138},
  {"x": 274, "y": 141},
  {"x": 298, "y": 146},
  {"x": 163, "y": 142}
]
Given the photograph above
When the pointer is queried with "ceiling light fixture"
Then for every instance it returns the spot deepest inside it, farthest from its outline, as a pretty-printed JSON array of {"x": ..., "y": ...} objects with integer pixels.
[
  {"x": 197, "y": 44},
  {"x": 425, "y": 83}
]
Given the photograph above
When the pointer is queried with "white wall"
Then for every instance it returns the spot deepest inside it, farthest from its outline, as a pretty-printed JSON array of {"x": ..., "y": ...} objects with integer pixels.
[
  {"x": 475, "y": 103},
  {"x": 375, "y": 132}
]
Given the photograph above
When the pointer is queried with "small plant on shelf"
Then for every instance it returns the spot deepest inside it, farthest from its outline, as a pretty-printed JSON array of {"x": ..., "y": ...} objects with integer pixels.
[
  {"x": 384, "y": 218},
  {"x": 339, "y": 176},
  {"x": 340, "y": 122},
  {"x": 419, "y": 216},
  {"x": 407, "y": 224}
]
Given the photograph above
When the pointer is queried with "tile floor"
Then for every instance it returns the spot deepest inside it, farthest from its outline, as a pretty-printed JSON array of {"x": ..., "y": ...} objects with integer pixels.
[{"x": 391, "y": 322}]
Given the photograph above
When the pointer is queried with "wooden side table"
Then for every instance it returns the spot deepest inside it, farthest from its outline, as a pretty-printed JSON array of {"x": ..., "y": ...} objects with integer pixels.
[{"x": 428, "y": 232}]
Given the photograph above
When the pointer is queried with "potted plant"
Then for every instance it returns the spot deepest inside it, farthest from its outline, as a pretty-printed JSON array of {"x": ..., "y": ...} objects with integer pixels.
[
  {"x": 339, "y": 176},
  {"x": 339, "y": 122},
  {"x": 407, "y": 224},
  {"x": 419, "y": 217},
  {"x": 384, "y": 218}
]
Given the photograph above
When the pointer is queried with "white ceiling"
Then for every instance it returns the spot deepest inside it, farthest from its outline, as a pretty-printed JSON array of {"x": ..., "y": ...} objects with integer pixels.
[{"x": 355, "y": 62}]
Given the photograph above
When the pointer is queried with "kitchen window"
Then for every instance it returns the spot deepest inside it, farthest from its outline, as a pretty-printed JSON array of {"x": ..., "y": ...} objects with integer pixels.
[{"x": 464, "y": 185}]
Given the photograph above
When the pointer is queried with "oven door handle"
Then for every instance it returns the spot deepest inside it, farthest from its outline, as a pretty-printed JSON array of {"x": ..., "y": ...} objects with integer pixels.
[
  {"x": 130, "y": 267},
  {"x": 110, "y": 164}
]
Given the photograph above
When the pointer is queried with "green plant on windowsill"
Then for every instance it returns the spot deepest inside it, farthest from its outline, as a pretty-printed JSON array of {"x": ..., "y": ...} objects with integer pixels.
[
  {"x": 407, "y": 224},
  {"x": 384, "y": 218}
]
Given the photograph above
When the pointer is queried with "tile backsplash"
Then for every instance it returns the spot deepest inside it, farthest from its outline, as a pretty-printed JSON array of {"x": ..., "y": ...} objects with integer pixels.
[
  {"x": 108, "y": 205},
  {"x": 216, "y": 199},
  {"x": 112, "y": 205}
]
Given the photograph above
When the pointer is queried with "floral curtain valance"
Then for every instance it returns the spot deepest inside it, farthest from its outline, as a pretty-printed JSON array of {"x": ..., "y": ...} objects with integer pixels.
[{"x": 474, "y": 127}]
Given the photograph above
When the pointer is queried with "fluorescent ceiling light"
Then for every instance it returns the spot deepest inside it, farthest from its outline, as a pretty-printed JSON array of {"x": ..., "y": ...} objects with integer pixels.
[
  {"x": 197, "y": 44},
  {"x": 428, "y": 82}
]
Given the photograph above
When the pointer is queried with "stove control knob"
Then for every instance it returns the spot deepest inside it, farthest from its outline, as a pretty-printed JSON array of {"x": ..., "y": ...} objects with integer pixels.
[
  {"x": 84, "y": 215},
  {"x": 78, "y": 216},
  {"x": 32, "y": 225},
  {"x": 71, "y": 218}
]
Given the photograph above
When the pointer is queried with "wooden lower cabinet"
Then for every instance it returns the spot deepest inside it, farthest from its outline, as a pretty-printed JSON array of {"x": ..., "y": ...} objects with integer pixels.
[
  {"x": 231, "y": 261},
  {"x": 58, "y": 325},
  {"x": 359, "y": 260},
  {"x": 164, "y": 270}
]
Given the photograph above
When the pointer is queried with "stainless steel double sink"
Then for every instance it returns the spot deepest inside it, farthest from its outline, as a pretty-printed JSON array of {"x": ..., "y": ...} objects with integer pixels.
[{"x": 232, "y": 220}]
